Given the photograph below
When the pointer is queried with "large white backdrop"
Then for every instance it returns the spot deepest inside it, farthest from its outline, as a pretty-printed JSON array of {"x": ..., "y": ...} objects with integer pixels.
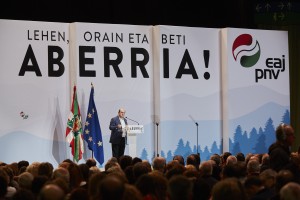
[
  {"x": 27, "y": 86},
  {"x": 169, "y": 79}
]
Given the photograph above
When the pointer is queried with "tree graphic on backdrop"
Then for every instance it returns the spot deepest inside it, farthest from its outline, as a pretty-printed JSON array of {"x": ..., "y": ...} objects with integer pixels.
[
  {"x": 187, "y": 149},
  {"x": 257, "y": 141},
  {"x": 260, "y": 146},
  {"x": 169, "y": 156},
  {"x": 214, "y": 148},
  {"x": 269, "y": 132},
  {"x": 286, "y": 117},
  {"x": 144, "y": 155},
  {"x": 180, "y": 148}
]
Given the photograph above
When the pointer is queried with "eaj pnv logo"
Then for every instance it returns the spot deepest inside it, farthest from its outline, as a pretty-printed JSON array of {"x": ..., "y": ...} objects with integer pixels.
[{"x": 245, "y": 50}]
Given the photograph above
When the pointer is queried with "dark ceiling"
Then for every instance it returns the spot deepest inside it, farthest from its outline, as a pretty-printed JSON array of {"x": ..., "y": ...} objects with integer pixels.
[{"x": 213, "y": 13}]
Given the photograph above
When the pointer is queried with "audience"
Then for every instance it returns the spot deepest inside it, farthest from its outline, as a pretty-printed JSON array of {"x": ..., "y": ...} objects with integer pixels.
[{"x": 273, "y": 176}]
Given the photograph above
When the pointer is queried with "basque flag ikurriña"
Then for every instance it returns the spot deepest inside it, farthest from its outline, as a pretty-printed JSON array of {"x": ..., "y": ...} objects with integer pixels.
[
  {"x": 92, "y": 130},
  {"x": 74, "y": 129}
]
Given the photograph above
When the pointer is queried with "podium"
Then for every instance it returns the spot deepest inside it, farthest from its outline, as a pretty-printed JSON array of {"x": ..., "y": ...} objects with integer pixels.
[{"x": 132, "y": 132}]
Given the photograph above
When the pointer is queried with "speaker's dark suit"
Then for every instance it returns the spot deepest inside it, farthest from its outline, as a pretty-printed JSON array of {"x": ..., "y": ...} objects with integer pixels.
[{"x": 116, "y": 139}]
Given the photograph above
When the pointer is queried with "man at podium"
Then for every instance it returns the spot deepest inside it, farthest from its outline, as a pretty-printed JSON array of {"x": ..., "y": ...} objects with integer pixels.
[{"x": 118, "y": 134}]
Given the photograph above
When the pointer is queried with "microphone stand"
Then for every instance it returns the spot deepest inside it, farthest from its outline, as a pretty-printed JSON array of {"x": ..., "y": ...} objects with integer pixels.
[
  {"x": 197, "y": 131},
  {"x": 197, "y": 137},
  {"x": 157, "y": 139}
]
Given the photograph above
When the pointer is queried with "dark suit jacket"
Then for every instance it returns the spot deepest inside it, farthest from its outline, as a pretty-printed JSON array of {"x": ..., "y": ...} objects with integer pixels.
[{"x": 116, "y": 134}]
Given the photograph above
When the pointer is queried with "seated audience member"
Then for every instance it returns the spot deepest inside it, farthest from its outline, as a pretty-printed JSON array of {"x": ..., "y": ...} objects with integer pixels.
[
  {"x": 228, "y": 189},
  {"x": 125, "y": 161},
  {"x": 180, "y": 159},
  {"x": 10, "y": 191},
  {"x": 132, "y": 193},
  {"x": 253, "y": 168},
  {"x": 3, "y": 186},
  {"x": 136, "y": 160},
  {"x": 282, "y": 178},
  {"x": 91, "y": 162},
  {"x": 51, "y": 192},
  {"x": 255, "y": 189},
  {"x": 290, "y": 191},
  {"x": 216, "y": 167},
  {"x": 240, "y": 157},
  {"x": 268, "y": 178},
  {"x": 231, "y": 160},
  {"x": 139, "y": 169},
  {"x": 23, "y": 194},
  {"x": 25, "y": 180},
  {"x": 180, "y": 188},
  {"x": 159, "y": 164},
  {"x": 224, "y": 157},
  {"x": 152, "y": 186},
  {"x": 111, "y": 187},
  {"x": 192, "y": 160},
  {"x": 205, "y": 170},
  {"x": 265, "y": 162}
]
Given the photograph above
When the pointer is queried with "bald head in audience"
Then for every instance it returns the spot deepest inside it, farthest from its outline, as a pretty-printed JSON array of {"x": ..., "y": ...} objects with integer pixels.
[{"x": 51, "y": 192}]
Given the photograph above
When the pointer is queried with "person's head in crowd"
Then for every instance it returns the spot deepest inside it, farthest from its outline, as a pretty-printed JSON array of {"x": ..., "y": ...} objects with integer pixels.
[
  {"x": 136, "y": 160},
  {"x": 33, "y": 168},
  {"x": 254, "y": 188},
  {"x": 94, "y": 184},
  {"x": 3, "y": 186},
  {"x": 231, "y": 160},
  {"x": 265, "y": 162},
  {"x": 146, "y": 185},
  {"x": 178, "y": 169},
  {"x": 125, "y": 161},
  {"x": 45, "y": 168},
  {"x": 61, "y": 172},
  {"x": 206, "y": 168},
  {"x": 147, "y": 164},
  {"x": 132, "y": 193},
  {"x": 51, "y": 192},
  {"x": 192, "y": 160},
  {"x": 224, "y": 157},
  {"x": 94, "y": 170},
  {"x": 201, "y": 190},
  {"x": 180, "y": 159},
  {"x": 180, "y": 187},
  {"x": 111, "y": 163},
  {"x": 228, "y": 189},
  {"x": 25, "y": 180},
  {"x": 240, "y": 157},
  {"x": 84, "y": 170},
  {"x": 90, "y": 162},
  {"x": 23, "y": 194},
  {"x": 283, "y": 177},
  {"x": 78, "y": 194},
  {"x": 111, "y": 187},
  {"x": 253, "y": 168},
  {"x": 129, "y": 174},
  {"x": 139, "y": 169},
  {"x": 217, "y": 158},
  {"x": 75, "y": 175},
  {"x": 38, "y": 183},
  {"x": 268, "y": 178},
  {"x": 23, "y": 163},
  {"x": 159, "y": 164},
  {"x": 290, "y": 191}
]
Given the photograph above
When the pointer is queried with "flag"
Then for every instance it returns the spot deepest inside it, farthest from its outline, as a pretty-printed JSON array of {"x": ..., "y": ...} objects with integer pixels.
[
  {"x": 92, "y": 130},
  {"x": 74, "y": 129}
]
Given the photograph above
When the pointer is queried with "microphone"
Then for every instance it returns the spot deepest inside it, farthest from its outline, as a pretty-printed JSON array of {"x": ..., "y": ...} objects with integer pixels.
[{"x": 132, "y": 120}]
